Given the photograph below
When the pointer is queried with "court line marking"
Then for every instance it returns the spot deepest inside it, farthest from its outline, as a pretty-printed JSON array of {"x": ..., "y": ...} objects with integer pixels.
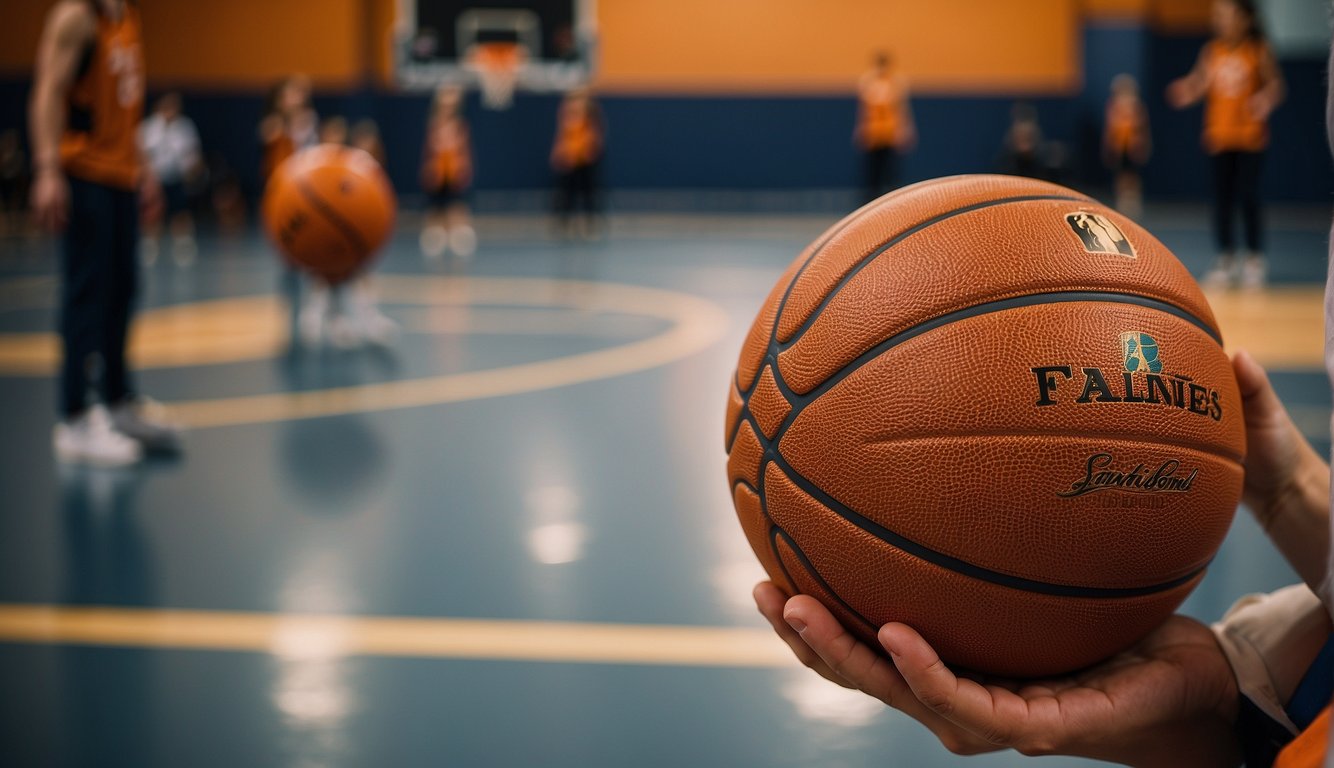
[
  {"x": 329, "y": 636},
  {"x": 694, "y": 323}
]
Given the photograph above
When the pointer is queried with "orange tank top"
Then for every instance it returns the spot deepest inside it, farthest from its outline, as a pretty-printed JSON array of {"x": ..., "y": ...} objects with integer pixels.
[
  {"x": 1234, "y": 77},
  {"x": 100, "y": 143},
  {"x": 1125, "y": 125},
  {"x": 450, "y": 161},
  {"x": 1308, "y": 749},
  {"x": 577, "y": 141},
  {"x": 276, "y": 150},
  {"x": 879, "y": 117}
]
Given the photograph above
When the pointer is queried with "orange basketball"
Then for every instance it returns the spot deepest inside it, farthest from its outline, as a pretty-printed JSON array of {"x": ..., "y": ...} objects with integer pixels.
[
  {"x": 994, "y": 410},
  {"x": 329, "y": 209}
]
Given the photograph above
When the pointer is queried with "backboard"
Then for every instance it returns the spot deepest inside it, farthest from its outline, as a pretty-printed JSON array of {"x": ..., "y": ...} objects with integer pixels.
[{"x": 438, "y": 42}]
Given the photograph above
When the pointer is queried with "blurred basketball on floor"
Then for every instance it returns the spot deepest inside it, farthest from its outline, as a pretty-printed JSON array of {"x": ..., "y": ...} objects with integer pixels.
[
  {"x": 994, "y": 410},
  {"x": 329, "y": 209}
]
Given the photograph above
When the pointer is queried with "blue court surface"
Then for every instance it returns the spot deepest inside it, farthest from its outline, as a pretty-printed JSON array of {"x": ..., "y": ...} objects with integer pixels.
[{"x": 507, "y": 539}]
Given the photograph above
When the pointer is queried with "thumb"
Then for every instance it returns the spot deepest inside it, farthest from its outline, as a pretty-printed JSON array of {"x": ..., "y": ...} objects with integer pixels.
[{"x": 1258, "y": 397}]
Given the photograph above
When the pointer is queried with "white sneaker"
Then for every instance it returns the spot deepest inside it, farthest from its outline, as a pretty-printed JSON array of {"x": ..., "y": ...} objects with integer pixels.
[
  {"x": 91, "y": 439},
  {"x": 434, "y": 240},
  {"x": 1254, "y": 273},
  {"x": 1222, "y": 275},
  {"x": 146, "y": 422},
  {"x": 313, "y": 318},
  {"x": 184, "y": 250},
  {"x": 463, "y": 241}
]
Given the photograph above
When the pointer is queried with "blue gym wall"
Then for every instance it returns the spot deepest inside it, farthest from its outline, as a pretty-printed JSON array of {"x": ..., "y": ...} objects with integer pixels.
[{"x": 804, "y": 142}]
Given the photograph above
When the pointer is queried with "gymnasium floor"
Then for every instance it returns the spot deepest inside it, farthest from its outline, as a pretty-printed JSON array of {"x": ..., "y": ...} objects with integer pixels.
[{"x": 507, "y": 540}]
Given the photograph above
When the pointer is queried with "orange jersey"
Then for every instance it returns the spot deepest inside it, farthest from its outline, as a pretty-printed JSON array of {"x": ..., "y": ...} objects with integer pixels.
[
  {"x": 276, "y": 150},
  {"x": 449, "y": 156},
  {"x": 578, "y": 139},
  {"x": 1127, "y": 126},
  {"x": 1233, "y": 74},
  {"x": 880, "y": 119},
  {"x": 1308, "y": 749},
  {"x": 100, "y": 143}
]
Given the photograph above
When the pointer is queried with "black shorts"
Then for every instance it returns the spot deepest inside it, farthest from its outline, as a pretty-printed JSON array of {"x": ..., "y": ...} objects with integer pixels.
[
  {"x": 447, "y": 195},
  {"x": 174, "y": 197},
  {"x": 1124, "y": 162}
]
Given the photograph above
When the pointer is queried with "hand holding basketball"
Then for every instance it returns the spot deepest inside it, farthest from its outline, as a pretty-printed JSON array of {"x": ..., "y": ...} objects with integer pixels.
[{"x": 1169, "y": 700}]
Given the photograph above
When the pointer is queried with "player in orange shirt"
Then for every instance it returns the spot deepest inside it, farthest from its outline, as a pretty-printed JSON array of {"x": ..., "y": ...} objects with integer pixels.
[
  {"x": 575, "y": 156},
  {"x": 1239, "y": 80},
  {"x": 1125, "y": 142},
  {"x": 92, "y": 183},
  {"x": 884, "y": 124},
  {"x": 446, "y": 176}
]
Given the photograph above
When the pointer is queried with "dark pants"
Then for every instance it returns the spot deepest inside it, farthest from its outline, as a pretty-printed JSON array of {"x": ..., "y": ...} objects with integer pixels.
[
  {"x": 878, "y": 171},
  {"x": 1237, "y": 180},
  {"x": 100, "y": 273},
  {"x": 577, "y": 188}
]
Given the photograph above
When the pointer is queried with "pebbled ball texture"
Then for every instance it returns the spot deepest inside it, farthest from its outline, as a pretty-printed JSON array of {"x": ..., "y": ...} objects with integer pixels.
[{"x": 995, "y": 410}]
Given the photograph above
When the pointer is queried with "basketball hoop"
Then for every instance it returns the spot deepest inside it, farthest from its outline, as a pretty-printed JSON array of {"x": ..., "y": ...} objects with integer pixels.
[{"x": 496, "y": 65}]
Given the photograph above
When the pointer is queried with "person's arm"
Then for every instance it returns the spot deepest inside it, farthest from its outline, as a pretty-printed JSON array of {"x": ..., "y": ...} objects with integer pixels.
[
  {"x": 1188, "y": 90},
  {"x": 70, "y": 27},
  {"x": 1272, "y": 88},
  {"x": 1287, "y": 483}
]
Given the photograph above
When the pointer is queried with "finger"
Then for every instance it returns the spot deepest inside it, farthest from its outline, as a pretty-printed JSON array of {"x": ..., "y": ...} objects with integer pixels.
[
  {"x": 1259, "y": 400},
  {"x": 849, "y": 658},
  {"x": 770, "y": 600},
  {"x": 995, "y": 715}
]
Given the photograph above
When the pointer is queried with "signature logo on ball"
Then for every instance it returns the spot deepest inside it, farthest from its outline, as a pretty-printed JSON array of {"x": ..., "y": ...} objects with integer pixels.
[
  {"x": 1100, "y": 475},
  {"x": 1099, "y": 234}
]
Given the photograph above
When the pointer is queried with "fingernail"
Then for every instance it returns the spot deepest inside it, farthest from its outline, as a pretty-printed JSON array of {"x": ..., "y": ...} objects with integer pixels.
[{"x": 796, "y": 623}]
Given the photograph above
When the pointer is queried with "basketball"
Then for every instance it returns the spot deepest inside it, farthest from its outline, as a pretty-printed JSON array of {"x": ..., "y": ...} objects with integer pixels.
[
  {"x": 329, "y": 209},
  {"x": 994, "y": 410}
]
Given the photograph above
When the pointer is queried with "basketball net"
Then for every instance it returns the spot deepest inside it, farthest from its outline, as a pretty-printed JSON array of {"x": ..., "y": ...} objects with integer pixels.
[{"x": 497, "y": 68}]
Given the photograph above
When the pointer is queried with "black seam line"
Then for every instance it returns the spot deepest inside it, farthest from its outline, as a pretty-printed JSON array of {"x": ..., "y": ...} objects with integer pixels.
[
  {"x": 743, "y": 484},
  {"x": 819, "y": 245},
  {"x": 900, "y": 237},
  {"x": 341, "y": 224},
  {"x": 964, "y": 567},
  {"x": 1210, "y": 451},
  {"x": 799, "y": 402},
  {"x": 810, "y": 569}
]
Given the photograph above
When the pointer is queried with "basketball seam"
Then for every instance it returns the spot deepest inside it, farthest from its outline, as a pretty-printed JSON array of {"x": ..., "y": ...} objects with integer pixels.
[
  {"x": 838, "y": 227},
  {"x": 774, "y": 534},
  {"x": 340, "y": 223},
  {"x": 940, "y": 559},
  {"x": 799, "y": 402},
  {"x": 880, "y": 250}
]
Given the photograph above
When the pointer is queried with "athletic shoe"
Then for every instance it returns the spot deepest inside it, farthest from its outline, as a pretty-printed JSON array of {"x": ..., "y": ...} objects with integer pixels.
[
  {"x": 1254, "y": 273},
  {"x": 91, "y": 439},
  {"x": 146, "y": 422},
  {"x": 463, "y": 241},
  {"x": 434, "y": 241}
]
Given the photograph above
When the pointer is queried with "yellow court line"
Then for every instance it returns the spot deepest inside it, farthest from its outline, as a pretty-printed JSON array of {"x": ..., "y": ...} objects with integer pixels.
[{"x": 325, "y": 636}]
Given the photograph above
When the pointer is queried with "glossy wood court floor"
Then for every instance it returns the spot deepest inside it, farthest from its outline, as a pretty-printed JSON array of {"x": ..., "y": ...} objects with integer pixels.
[{"x": 504, "y": 540}]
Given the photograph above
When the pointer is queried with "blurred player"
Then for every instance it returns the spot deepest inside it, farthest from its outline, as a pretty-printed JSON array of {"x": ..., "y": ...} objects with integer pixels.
[
  {"x": 1125, "y": 143},
  {"x": 366, "y": 137},
  {"x": 171, "y": 144},
  {"x": 333, "y": 130},
  {"x": 87, "y": 100},
  {"x": 1239, "y": 80},
  {"x": 575, "y": 156},
  {"x": 446, "y": 176},
  {"x": 884, "y": 124},
  {"x": 1022, "y": 150}
]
